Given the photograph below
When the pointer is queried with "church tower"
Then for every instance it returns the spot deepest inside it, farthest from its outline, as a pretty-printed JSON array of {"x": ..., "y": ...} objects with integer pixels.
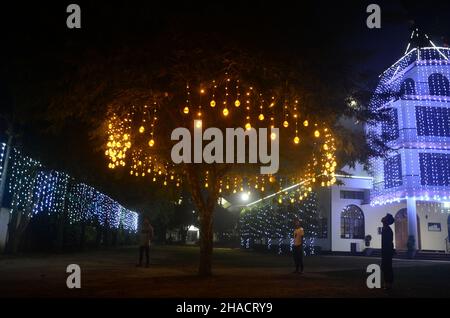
[{"x": 414, "y": 93}]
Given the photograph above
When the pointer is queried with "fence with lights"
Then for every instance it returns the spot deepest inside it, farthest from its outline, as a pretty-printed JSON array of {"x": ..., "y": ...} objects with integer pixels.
[{"x": 53, "y": 200}]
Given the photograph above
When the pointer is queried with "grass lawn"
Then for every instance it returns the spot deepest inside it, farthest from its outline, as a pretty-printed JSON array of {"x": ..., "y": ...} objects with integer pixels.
[{"x": 237, "y": 273}]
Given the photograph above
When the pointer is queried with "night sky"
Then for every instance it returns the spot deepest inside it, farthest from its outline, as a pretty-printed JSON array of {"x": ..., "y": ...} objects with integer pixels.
[{"x": 36, "y": 32}]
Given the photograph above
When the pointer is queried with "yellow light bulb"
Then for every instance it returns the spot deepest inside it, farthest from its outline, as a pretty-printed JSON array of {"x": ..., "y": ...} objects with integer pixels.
[
  {"x": 237, "y": 103},
  {"x": 306, "y": 123},
  {"x": 212, "y": 103},
  {"x": 125, "y": 137},
  {"x": 151, "y": 143},
  {"x": 325, "y": 147},
  {"x": 248, "y": 126},
  {"x": 273, "y": 136},
  {"x": 285, "y": 124},
  {"x": 261, "y": 117},
  {"x": 141, "y": 129},
  {"x": 225, "y": 112},
  {"x": 186, "y": 110},
  {"x": 317, "y": 134}
]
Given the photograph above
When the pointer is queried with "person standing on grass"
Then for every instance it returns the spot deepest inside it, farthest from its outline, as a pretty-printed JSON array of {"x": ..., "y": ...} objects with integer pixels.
[
  {"x": 145, "y": 237},
  {"x": 387, "y": 250},
  {"x": 298, "y": 247}
]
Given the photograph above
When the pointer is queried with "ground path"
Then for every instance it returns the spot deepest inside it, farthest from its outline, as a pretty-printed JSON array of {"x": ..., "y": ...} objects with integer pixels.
[{"x": 237, "y": 273}]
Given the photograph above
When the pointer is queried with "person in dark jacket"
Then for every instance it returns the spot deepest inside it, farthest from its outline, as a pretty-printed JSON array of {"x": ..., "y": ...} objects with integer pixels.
[
  {"x": 387, "y": 250},
  {"x": 145, "y": 237}
]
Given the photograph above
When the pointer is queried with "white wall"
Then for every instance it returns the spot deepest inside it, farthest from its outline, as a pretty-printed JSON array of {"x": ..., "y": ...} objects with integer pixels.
[
  {"x": 372, "y": 215},
  {"x": 432, "y": 213},
  {"x": 4, "y": 219}
]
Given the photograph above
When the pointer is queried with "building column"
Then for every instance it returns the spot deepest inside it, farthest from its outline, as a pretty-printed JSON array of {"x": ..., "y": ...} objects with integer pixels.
[{"x": 412, "y": 220}]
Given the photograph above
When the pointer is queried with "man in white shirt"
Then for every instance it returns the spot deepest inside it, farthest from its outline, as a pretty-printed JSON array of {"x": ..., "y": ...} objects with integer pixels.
[{"x": 299, "y": 233}]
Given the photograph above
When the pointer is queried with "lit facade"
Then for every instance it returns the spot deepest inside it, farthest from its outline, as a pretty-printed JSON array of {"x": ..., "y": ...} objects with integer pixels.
[{"x": 413, "y": 181}]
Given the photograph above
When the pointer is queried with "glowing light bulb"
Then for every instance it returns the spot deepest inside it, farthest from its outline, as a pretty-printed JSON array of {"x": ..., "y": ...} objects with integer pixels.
[
  {"x": 141, "y": 129},
  {"x": 186, "y": 110},
  {"x": 285, "y": 124},
  {"x": 225, "y": 112},
  {"x": 273, "y": 136},
  {"x": 317, "y": 134},
  {"x": 212, "y": 103},
  {"x": 261, "y": 117},
  {"x": 248, "y": 126},
  {"x": 237, "y": 103},
  {"x": 296, "y": 139},
  {"x": 306, "y": 123},
  {"x": 151, "y": 143},
  {"x": 245, "y": 196}
]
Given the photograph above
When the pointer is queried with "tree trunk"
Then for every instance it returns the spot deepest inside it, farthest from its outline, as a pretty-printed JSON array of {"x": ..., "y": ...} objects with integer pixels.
[
  {"x": 206, "y": 242},
  {"x": 16, "y": 229},
  {"x": 205, "y": 208}
]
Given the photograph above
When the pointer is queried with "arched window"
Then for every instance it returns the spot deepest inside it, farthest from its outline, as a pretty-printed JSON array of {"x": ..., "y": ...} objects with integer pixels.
[
  {"x": 408, "y": 87},
  {"x": 352, "y": 222},
  {"x": 438, "y": 85}
]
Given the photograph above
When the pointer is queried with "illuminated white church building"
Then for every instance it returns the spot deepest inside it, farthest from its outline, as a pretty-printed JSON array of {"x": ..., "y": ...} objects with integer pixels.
[{"x": 413, "y": 182}]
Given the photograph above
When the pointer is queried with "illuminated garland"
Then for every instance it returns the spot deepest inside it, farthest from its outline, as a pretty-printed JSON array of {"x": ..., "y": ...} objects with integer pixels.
[
  {"x": 134, "y": 141},
  {"x": 272, "y": 225},
  {"x": 2, "y": 157},
  {"x": 37, "y": 191}
]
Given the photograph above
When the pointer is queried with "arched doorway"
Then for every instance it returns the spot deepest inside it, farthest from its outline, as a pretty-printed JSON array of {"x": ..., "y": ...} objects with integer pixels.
[{"x": 401, "y": 230}]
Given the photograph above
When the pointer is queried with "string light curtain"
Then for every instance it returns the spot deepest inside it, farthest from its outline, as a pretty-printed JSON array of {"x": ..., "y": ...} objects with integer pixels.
[
  {"x": 36, "y": 190},
  {"x": 415, "y": 93}
]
